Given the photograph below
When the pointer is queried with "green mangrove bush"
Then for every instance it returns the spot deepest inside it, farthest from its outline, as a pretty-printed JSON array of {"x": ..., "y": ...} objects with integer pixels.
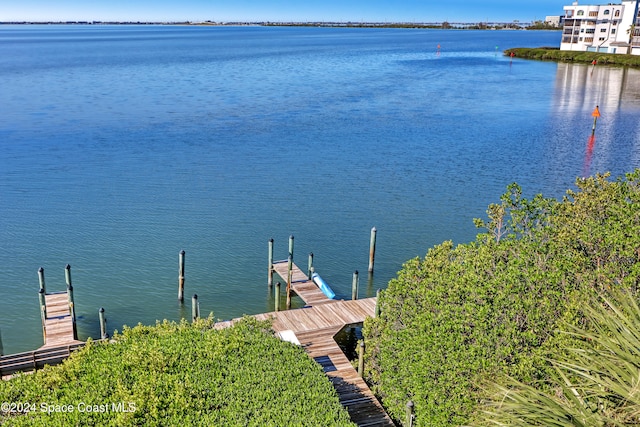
[
  {"x": 555, "y": 54},
  {"x": 475, "y": 312},
  {"x": 179, "y": 374}
]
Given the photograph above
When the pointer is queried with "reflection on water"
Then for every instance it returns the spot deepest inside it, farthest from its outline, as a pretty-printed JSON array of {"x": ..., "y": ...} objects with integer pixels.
[{"x": 579, "y": 89}]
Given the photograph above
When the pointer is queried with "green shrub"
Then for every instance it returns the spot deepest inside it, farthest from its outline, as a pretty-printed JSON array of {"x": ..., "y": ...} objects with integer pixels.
[
  {"x": 491, "y": 307},
  {"x": 180, "y": 375},
  {"x": 593, "y": 384}
]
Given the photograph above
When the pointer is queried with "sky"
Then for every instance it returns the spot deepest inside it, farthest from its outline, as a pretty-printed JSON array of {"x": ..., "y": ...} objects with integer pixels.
[{"x": 282, "y": 10}]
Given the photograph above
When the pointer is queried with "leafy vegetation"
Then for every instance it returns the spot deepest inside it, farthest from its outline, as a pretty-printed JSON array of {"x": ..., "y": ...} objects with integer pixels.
[
  {"x": 180, "y": 375},
  {"x": 471, "y": 313},
  {"x": 555, "y": 54},
  {"x": 594, "y": 384}
]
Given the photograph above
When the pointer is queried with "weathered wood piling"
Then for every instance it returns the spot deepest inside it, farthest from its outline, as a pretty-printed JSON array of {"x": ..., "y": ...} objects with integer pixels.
[
  {"x": 72, "y": 305},
  {"x": 277, "y": 297},
  {"x": 310, "y": 266},
  {"x": 103, "y": 324},
  {"x": 354, "y": 286},
  {"x": 270, "y": 275},
  {"x": 181, "y": 262},
  {"x": 195, "y": 308},
  {"x": 372, "y": 249}
]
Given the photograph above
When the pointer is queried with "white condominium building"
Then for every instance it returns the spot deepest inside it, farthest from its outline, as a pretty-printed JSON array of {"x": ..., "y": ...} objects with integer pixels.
[{"x": 609, "y": 28}]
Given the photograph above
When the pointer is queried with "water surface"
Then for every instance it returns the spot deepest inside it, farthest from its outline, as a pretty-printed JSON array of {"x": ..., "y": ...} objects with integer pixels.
[{"x": 121, "y": 146}]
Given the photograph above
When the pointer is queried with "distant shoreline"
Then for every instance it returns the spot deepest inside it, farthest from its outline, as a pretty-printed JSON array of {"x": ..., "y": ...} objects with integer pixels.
[{"x": 515, "y": 25}]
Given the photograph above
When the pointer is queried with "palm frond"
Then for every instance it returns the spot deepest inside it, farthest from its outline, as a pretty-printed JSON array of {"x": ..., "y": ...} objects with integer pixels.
[{"x": 594, "y": 384}]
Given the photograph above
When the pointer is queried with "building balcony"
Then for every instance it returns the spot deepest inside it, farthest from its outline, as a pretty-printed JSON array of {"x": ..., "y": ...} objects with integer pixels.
[{"x": 570, "y": 40}]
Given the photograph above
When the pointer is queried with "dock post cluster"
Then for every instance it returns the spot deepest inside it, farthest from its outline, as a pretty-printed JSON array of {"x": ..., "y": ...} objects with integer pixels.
[
  {"x": 57, "y": 312},
  {"x": 291, "y": 270}
]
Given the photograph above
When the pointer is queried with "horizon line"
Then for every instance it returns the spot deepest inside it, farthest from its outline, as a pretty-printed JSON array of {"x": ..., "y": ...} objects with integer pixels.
[{"x": 227, "y": 22}]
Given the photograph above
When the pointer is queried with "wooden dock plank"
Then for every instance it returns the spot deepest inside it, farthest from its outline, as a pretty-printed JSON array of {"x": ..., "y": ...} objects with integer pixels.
[
  {"x": 58, "y": 325},
  {"x": 57, "y": 305},
  {"x": 354, "y": 394},
  {"x": 300, "y": 283}
]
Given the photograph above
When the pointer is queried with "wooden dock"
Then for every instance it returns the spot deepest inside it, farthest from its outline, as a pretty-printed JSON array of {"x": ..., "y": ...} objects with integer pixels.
[
  {"x": 354, "y": 394},
  {"x": 58, "y": 326},
  {"x": 300, "y": 283},
  {"x": 313, "y": 327},
  {"x": 34, "y": 360}
]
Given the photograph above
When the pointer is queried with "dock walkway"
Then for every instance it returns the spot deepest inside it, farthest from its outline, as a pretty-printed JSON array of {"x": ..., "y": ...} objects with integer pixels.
[
  {"x": 300, "y": 283},
  {"x": 58, "y": 326},
  {"x": 313, "y": 328}
]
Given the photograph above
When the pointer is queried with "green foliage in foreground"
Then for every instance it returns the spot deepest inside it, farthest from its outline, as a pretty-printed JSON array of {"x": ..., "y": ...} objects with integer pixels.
[
  {"x": 596, "y": 384},
  {"x": 472, "y": 313},
  {"x": 554, "y": 54},
  {"x": 182, "y": 375}
]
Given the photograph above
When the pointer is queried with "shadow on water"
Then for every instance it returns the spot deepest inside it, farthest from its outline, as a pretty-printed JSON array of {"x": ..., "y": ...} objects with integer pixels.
[{"x": 348, "y": 338}]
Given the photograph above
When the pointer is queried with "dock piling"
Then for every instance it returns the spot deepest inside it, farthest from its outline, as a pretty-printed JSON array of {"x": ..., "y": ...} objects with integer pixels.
[
  {"x": 43, "y": 312},
  {"x": 289, "y": 266},
  {"x": 103, "y": 324},
  {"x": 410, "y": 409},
  {"x": 290, "y": 250},
  {"x": 43, "y": 304},
  {"x": 372, "y": 249},
  {"x": 277, "y": 297},
  {"x": 195, "y": 308},
  {"x": 67, "y": 274},
  {"x": 181, "y": 276},
  {"x": 310, "y": 266},
  {"x": 290, "y": 260},
  {"x": 270, "y": 276},
  {"x": 289, "y": 288},
  {"x": 354, "y": 286},
  {"x": 41, "y": 279},
  {"x": 377, "y": 311},
  {"x": 72, "y": 306}
]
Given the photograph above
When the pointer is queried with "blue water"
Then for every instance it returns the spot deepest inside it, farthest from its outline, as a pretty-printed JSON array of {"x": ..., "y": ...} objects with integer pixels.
[{"x": 121, "y": 146}]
